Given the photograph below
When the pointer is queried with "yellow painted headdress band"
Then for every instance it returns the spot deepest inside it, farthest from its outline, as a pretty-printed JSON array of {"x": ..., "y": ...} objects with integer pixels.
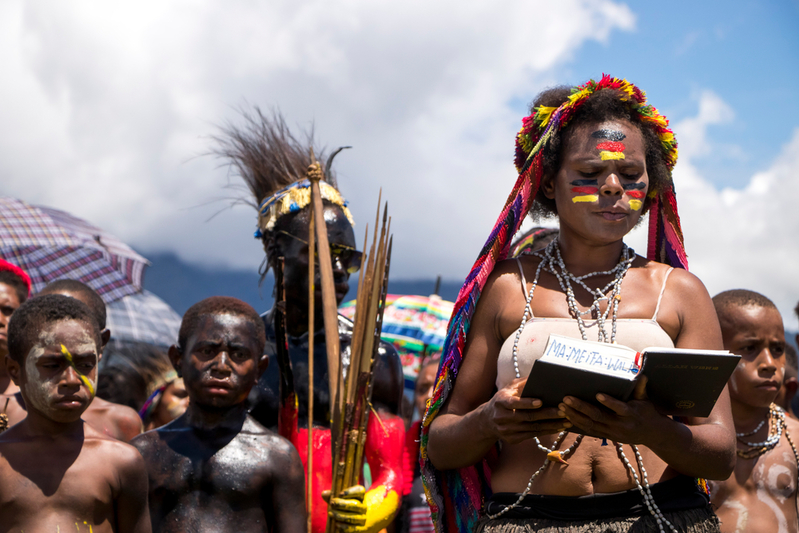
[{"x": 293, "y": 198}]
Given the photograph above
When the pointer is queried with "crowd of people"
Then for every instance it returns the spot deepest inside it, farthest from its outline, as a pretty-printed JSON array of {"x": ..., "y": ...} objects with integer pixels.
[{"x": 213, "y": 433}]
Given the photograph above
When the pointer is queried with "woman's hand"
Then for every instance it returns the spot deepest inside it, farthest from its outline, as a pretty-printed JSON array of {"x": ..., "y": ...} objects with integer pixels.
[
  {"x": 633, "y": 422},
  {"x": 514, "y": 419}
]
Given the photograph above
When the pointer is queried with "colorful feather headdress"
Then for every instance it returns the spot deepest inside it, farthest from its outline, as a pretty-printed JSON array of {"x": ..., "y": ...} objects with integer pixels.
[{"x": 456, "y": 497}]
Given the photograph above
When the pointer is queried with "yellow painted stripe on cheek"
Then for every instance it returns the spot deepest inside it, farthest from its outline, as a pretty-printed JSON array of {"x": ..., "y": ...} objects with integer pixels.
[
  {"x": 585, "y": 198},
  {"x": 83, "y": 378},
  {"x": 604, "y": 155},
  {"x": 636, "y": 204}
]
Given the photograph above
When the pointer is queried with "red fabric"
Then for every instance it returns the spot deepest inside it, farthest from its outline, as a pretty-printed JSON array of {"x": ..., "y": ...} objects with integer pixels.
[
  {"x": 14, "y": 269},
  {"x": 383, "y": 451}
]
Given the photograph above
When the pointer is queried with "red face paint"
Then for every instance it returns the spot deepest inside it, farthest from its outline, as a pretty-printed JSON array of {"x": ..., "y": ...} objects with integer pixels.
[
  {"x": 610, "y": 146},
  {"x": 635, "y": 194},
  {"x": 585, "y": 190}
]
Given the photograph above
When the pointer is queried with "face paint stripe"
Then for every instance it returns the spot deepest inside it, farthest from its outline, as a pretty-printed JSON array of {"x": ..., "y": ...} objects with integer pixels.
[
  {"x": 636, "y": 204},
  {"x": 635, "y": 194},
  {"x": 585, "y": 190},
  {"x": 611, "y": 135},
  {"x": 83, "y": 378},
  {"x": 611, "y": 146},
  {"x": 586, "y": 198},
  {"x": 580, "y": 183},
  {"x": 604, "y": 155},
  {"x": 638, "y": 185}
]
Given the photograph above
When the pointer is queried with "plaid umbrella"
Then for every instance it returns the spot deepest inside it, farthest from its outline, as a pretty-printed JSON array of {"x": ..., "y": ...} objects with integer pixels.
[
  {"x": 415, "y": 325},
  {"x": 50, "y": 244},
  {"x": 143, "y": 317}
]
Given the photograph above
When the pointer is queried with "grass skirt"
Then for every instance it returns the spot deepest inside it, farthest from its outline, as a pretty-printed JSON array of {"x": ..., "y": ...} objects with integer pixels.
[{"x": 701, "y": 520}]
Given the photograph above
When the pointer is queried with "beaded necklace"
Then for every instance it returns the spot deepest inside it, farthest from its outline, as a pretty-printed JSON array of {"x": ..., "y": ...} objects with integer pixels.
[
  {"x": 777, "y": 426},
  {"x": 552, "y": 262}
]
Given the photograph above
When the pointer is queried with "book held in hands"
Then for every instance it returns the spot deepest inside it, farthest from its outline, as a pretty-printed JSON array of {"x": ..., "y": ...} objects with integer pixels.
[{"x": 682, "y": 382}]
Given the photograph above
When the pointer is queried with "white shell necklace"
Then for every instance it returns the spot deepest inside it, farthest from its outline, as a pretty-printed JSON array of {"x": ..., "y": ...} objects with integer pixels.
[{"x": 552, "y": 262}]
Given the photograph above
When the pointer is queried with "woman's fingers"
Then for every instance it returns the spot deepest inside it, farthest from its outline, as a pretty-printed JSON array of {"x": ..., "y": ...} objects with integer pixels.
[
  {"x": 514, "y": 402},
  {"x": 617, "y": 406}
]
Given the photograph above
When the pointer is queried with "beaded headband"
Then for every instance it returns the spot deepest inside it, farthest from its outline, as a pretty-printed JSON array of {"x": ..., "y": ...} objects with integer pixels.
[
  {"x": 456, "y": 496},
  {"x": 293, "y": 198}
]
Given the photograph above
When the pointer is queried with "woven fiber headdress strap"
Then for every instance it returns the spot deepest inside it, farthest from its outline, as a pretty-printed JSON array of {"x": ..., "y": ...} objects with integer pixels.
[
  {"x": 295, "y": 197},
  {"x": 456, "y": 497}
]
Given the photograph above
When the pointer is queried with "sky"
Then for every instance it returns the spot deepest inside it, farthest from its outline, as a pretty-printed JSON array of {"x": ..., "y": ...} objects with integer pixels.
[{"x": 110, "y": 108}]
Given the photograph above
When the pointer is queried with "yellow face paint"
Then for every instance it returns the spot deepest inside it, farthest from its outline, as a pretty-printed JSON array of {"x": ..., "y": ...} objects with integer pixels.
[
  {"x": 636, "y": 204},
  {"x": 83, "y": 378},
  {"x": 585, "y": 198},
  {"x": 605, "y": 155}
]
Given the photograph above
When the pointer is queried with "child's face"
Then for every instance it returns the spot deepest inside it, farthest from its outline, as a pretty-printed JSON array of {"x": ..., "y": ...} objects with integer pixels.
[
  {"x": 220, "y": 363},
  {"x": 756, "y": 334},
  {"x": 53, "y": 385}
]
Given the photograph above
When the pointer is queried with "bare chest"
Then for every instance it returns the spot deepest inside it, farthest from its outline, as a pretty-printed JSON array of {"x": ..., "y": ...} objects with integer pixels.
[
  {"x": 189, "y": 470},
  {"x": 43, "y": 489}
]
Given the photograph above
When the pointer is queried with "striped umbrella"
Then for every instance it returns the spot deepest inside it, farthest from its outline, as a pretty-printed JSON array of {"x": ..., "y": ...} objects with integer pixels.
[
  {"x": 143, "y": 317},
  {"x": 50, "y": 244},
  {"x": 415, "y": 325}
]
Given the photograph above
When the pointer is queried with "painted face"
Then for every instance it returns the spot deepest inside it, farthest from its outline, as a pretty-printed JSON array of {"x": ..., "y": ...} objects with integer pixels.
[
  {"x": 220, "y": 362},
  {"x": 9, "y": 302},
  {"x": 173, "y": 403},
  {"x": 295, "y": 250},
  {"x": 756, "y": 334},
  {"x": 60, "y": 372},
  {"x": 602, "y": 183},
  {"x": 425, "y": 383}
]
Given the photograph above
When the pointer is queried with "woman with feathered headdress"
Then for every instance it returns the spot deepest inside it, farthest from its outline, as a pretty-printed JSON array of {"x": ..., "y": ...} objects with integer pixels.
[
  {"x": 273, "y": 164},
  {"x": 597, "y": 157}
]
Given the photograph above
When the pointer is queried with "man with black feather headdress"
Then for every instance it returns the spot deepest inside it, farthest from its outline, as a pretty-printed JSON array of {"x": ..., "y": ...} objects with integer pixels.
[{"x": 273, "y": 162}]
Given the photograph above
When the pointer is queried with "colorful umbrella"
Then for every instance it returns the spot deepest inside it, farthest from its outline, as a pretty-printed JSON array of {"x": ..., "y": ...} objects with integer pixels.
[
  {"x": 143, "y": 317},
  {"x": 415, "y": 325},
  {"x": 50, "y": 244}
]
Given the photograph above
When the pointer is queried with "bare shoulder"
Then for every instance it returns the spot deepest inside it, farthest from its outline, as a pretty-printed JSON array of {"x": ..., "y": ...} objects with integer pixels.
[
  {"x": 146, "y": 442},
  {"x": 125, "y": 422},
  {"x": 112, "y": 452},
  {"x": 792, "y": 425},
  {"x": 505, "y": 281},
  {"x": 281, "y": 454},
  {"x": 684, "y": 283}
]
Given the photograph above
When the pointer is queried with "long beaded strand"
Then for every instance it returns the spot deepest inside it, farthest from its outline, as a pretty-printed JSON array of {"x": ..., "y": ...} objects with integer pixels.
[{"x": 565, "y": 278}]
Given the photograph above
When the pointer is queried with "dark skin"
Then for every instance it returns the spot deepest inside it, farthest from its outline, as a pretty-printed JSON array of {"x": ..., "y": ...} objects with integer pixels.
[
  {"x": 117, "y": 421},
  {"x": 761, "y": 493},
  {"x": 476, "y": 415},
  {"x": 388, "y": 381},
  {"x": 57, "y": 473},
  {"x": 215, "y": 468},
  {"x": 9, "y": 302}
]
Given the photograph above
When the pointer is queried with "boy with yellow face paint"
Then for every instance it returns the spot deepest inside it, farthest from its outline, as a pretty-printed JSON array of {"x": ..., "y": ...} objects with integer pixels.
[{"x": 56, "y": 472}]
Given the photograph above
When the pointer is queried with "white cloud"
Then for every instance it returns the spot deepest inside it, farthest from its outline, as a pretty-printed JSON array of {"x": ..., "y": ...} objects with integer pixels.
[
  {"x": 739, "y": 238},
  {"x": 108, "y": 105}
]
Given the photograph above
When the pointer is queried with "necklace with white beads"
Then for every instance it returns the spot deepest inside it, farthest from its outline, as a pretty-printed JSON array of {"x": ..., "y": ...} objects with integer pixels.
[
  {"x": 555, "y": 265},
  {"x": 760, "y": 425}
]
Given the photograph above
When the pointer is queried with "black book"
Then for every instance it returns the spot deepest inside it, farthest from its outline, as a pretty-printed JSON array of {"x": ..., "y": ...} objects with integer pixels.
[{"x": 682, "y": 382}]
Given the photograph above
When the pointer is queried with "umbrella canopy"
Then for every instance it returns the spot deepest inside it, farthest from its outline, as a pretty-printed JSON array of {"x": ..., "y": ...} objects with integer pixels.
[
  {"x": 50, "y": 244},
  {"x": 143, "y": 317},
  {"x": 415, "y": 325}
]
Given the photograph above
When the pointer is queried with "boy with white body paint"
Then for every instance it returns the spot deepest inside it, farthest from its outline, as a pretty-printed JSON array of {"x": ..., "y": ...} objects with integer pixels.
[
  {"x": 761, "y": 495},
  {"x": 57, "y": 473}
]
